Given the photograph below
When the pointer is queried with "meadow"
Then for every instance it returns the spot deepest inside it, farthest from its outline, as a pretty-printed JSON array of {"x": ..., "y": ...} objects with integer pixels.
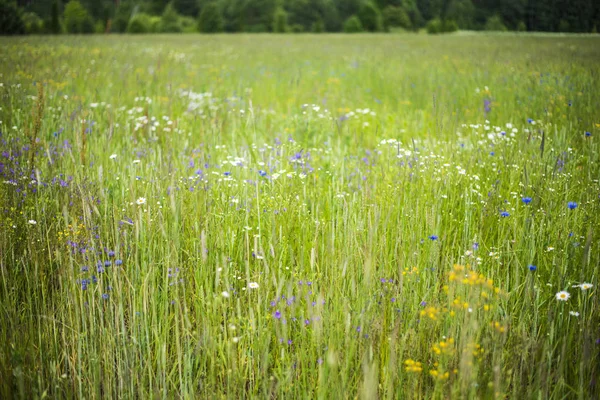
[{"x": 311, "y": 216}]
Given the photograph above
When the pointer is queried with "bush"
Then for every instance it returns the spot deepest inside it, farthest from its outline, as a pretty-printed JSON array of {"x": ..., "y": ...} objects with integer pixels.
[
  {"x": 210, "y": 19},
  {"x": 140, "y": 23},
  {"x": 169, "y": 22},
  {"x": 280, "y": 21},
  {"x": 296, "y": 28},
  {"x": 33, "y": 23},
  {"x": 396, "y": 17},
  {"x": 188, "y": 24},
  {"x": 495, "y": 23},
  {"x": 521, "y": 27},
  {"x": 353, "y": 25},
  {"x": 370, "y": 17},
  {"x": 436, "y": 26},
  {"x": 77, "y": 18},
  {"x": 11, "y": 19},
  {"x": 318, "y": 26}
]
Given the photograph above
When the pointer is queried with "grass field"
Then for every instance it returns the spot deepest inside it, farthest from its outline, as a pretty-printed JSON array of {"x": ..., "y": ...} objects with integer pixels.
[{"x": 300, "y": 217}]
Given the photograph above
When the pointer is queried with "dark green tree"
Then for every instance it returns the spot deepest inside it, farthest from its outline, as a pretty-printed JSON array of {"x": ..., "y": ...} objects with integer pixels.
[
  {"x": 11, "y": 19},
  {"x": 187, "y": 7},
  {"x": 394, "y": 16},
  {"x": 463, "y": 12},
  {"x": 347, "y": 8},
  {"x": 169, "y": 22},
  {"x": 370, "y": 17},
  {"x": 353, "y": 25},
  {"x": 210, "y": 19},
  {"x": 280, "y": 21},
  {"x": 77, "y": 19},
  {"x": 122, "y": 16},
  {"x": 140, "y": 23},
  {"x": 54, "y": 18}
]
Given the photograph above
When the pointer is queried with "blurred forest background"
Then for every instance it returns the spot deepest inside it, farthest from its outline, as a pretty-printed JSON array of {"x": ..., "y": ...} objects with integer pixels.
[{"x": 209, "y": 16}]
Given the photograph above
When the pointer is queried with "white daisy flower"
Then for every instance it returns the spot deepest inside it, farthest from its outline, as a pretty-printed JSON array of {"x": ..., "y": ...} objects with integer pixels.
[
  {"x": 225, "y": 294},
  {"x": 574, "y": 313},
  {"x": 563, "y": 296},
  {"x": 586, "y": 286},
  {"x": 253, "y": 285},
  {"x": 32, "y": 221},
  {"x": 113, "y": 156},
  {"x": 141, "y": 200}
]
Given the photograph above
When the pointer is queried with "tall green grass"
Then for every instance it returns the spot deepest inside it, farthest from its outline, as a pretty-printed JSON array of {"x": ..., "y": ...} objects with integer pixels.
[{"x": 358, "y": 182}]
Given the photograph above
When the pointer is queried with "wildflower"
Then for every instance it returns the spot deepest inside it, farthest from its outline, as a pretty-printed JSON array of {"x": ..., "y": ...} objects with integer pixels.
[
  {"x": 572, "y": 205},
  {"x": 141, "y": 200},
  {"x": 588, "y": 134},
  {"x": 574, "y": 313},
  {"x": 118, "y": 262},
  {"x": 585, "y": 286},
  {"x": 277, "y": 314},
  {"x": 532, "y": 268},
  {"x": 262, "y": 173},
  {"x": 504, "y": 214},
  {"x": 526, "y": 200},
  {"x": 253, "y": 285},
  {"x": 562, "y": 296},
  {"x": 235, "y": 339},
  {"x": 105, "y": 296},
  {"x": 113, "y": 156},
  {"x": 433, "y": 237},
  {"x": 225, "y": 294},
  {"x": 32, "y": 222}
]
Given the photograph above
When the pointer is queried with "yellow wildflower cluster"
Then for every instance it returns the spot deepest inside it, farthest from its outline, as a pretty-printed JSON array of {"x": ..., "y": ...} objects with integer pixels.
[
  {"x": 476, "y": 350},
  {"x": 412, "y": 271},
  {"x": 439, "y": 373},
  {"x": 498, "y": 326},
  {"x": 431, "y": 313},
  {"x": 73, "y": 233},
  {"x": 444, "y": 347},
  {"x": 463, "y": 275},
  {"x": 412, "y": 366}
]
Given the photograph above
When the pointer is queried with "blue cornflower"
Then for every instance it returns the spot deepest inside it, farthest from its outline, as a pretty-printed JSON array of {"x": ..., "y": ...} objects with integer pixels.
[
  {"x": 532, "y": 268},
  {"x": 100, "y": 269},
  {"x": 572, "y": 205},
  {"x": 111, "y": 253},
  {"x": 227, "y": 173},
  {"x": 526, "y": 200},
  {"x": 529, "y": 120},
  {"x": 277, "y": 314},
  {"x": 107, "y": 263},
  {"x": 475, "y": 246},
  {"x": 84, "y": 269},
  {"x": 262, "y": 173},
  {"x": 492, "y": 153},
  {"x": 504, "y": 214},
  {"x": 423, "y": 303},
  {"x": 433, "y": 237},
  {"x": 105, "y": 296},
  {"x": 118, "y": 262},
  {"x": 588, "y": 134}
]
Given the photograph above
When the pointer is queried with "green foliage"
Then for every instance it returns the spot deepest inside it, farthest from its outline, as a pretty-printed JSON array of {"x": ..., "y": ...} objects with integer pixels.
[
  {"x": 33, "y": 23},
  {"x": 396, "y": 17},
  {"x": 296, "y": 28},
  {"x": 370, "y": 17},
  {"x": 186, "y": 7},
  {"x": 521, "y": 27},
  {"x": 11, "y": 19},
  {"x": 353, "y": 25},
  {"x": 495, "y": 23},
  {"x": 463, "y": 12},
  {"x": 210, "y": 19},
  {"x": 140, "y": 23},
  {"x": 169, "y": 22},
  {"x": 77, "y": 19},
  {"x": 280, "y": 21},
  {"x": 54, "y": 25},
  {"x": 122, "y": 16},
  {"x": 188, "y": 24},
  {"x": 436, "y": 26}
]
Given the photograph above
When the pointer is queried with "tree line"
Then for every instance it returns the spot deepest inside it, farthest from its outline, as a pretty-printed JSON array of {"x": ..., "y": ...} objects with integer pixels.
[{"x": 211, "y": 16}]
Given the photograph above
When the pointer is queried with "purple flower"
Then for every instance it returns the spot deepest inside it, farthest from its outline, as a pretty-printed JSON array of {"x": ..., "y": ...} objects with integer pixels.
[
  {"x": 105, "y": 296},
  {"x": 277, "y": 314},
  {"x": 423, "y": 303},
  {"x": 433, "y": 237},
  {"x": 118, "y": 262}
]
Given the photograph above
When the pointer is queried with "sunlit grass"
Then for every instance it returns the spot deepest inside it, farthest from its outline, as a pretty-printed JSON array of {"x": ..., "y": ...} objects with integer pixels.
[{"x": 299, "y": 216}]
